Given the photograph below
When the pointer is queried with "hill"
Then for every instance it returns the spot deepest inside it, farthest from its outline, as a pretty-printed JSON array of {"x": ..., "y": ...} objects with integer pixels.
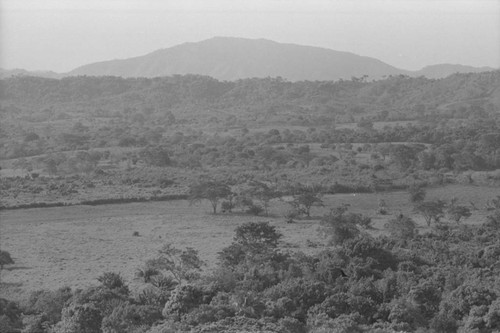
[
  {"x": 444, "y": 70},
  {"x": 6, "y": 73},
  {"x": 226, "y": 58}
]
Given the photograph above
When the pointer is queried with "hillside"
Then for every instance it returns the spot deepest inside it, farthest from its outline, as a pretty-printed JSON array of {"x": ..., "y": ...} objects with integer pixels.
[
  {"x": 444, "y": 70},
  {"x": 400, "y": 96},
  {"x": 227, "y": 58}
]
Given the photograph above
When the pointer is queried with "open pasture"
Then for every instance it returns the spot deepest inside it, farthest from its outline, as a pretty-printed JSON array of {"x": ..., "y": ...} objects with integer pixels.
[{"x": 72, "y": 246}]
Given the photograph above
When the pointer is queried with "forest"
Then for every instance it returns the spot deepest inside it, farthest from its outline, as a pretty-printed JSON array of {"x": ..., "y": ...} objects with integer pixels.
[{"x": 243, "y": 148}]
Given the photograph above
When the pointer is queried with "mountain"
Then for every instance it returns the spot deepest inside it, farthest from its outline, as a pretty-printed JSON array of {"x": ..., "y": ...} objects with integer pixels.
[
  {"x": 5, "y": 73},
  {"x": 227, "y": 58},
  {"x": 444, "y": 70}
]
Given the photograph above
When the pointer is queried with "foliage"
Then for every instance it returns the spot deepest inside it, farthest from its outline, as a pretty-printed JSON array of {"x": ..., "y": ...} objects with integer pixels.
[
  {"x": 305, "y": 197},
  {"x": 5, "y": 259},
  {"x": 257, "y": 234},
  {"x": 339, "y": 225},
  {"x": 457, "y": 212},
  {"x": 263, "y": 193},
  {"x": 401, "y": 227},
  {"x": 47, "y": 305},
  {"x": 417, "y": 193},
  {"x": 113, "y": 281},
  {"x": 182, "y": 265},
  {"x": 430, "y": 210},
  {"x": 213, "y": 191},
  {"x": 128, "y": 317},
  {"x": 10, "y": 316}
]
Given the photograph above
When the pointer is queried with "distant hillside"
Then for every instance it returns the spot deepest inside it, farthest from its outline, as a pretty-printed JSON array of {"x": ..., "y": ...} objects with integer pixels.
[
  {"x": 400, "y": 95},
  {"x": 444, "y": 70},
  {"x": 226, "y": 58},
  {"x": 5, "y": 73}
]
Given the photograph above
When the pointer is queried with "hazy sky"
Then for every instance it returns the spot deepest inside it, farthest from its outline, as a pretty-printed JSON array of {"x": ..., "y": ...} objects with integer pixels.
[{"x": 60, "y": 35}]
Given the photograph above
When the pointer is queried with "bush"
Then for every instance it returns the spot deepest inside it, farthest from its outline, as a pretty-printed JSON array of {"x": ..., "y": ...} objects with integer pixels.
[
  {"x": 48, "y": 304},
  {"x": 417, "y": 193},
  {"x": 130, "y": 317},
  {"x": 10, "y": 316},
  {"x": 254, "y": 210},
  {"x": 5, "y": 259},
  {"x": 76, "y": 318},
  {"x": 182, "y": 300},
  {"x": 113, "y": 281},
  {"x": 339, "y": 227},
  {"x": 401, "y": 227}
]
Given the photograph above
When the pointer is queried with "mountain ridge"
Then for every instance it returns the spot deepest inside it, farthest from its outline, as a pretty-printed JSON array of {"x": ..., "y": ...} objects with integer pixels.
[{"x": 232, "y": 58}]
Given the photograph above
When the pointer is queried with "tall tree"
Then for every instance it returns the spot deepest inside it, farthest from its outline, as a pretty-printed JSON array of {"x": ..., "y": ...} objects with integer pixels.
[{"x": 210, "y": 190}]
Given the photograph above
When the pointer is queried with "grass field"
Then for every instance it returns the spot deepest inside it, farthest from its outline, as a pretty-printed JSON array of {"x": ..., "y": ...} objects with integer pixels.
[{"x": 72, "y": 246}]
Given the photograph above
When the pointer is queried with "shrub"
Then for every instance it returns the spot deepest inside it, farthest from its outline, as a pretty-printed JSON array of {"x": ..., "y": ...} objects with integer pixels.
[
  {"x": 76, "y": 318},
  {"x": 182, "y": 265},
  {"x": 10, "y": 316},
  {"x": 182, "y": 300},
  {"x": 401, "y": 227},
  {"x": 417, "y": 193},
  {"x": 147, "y": 273},
  {"x": 339, "y": 226},
  {"x": 48, "y": 304},
  {"x": 130, "y": 317},
  {"x": 112, "y": 281},
  {"x": 5, "y": 259},
  {"x": 254, "y": 210}
]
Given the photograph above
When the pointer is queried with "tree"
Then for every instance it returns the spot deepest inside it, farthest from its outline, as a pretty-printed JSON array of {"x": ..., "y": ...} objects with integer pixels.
[
  {"x": 252, "y": 240},
  {"x": 401, "y": 227},
  {"x": 457, "y": 212},
  {"x": 430, "y": 210},
  {"x": 405, "y": 155},
  {"x": 183, "y": 265},
  {"x": 5, "y": 259},
  {"x": 305, "y": 197},
  {"x": 259, "y": 234},
  {"x": 417, "y": 193},
  {"x": 210, "y": 190},
  {"x": 263, "y": 193},
  {"x": 339, "y": 226},
  {"x": 156, "y": 156}
]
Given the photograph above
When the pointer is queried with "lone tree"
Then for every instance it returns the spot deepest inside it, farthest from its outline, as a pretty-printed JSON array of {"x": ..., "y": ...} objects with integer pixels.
[
  {"x": 263, "y": 193},
  {"x": 5, "y": 259},
  {"x": 254, "y": 243},
  {"x": 417, "y": 193},
  {"x": 210, "y": 190},
  {"x": 182, "y": 265},
  {"x": 340, "y": 225},
  {"x": 305, "y": 197},
  {"x": 430, "y": 210},
  {"x": 401, "y": 227},
  {"x": 457, "y": 212}
]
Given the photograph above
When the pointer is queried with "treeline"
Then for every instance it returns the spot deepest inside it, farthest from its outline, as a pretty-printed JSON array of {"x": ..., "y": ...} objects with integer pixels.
[{"x": 402, "y": 96}]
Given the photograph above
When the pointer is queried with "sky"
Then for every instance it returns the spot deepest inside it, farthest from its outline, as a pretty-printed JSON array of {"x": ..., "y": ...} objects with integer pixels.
[{"x": 60, "y": 35}]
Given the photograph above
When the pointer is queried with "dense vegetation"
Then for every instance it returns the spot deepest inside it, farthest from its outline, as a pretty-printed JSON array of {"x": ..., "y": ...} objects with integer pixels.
[
  {"x": 110, "y": 131},
  {"x": 241, "y": 145},
  {"x": 442, "y": 281}
]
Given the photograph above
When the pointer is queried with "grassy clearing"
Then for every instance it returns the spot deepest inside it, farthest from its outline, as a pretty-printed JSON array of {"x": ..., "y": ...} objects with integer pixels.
[{"x": 59, "y": 246}]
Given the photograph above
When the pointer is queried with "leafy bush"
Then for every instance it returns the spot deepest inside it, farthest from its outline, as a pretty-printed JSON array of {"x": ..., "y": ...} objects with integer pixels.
[
  {"x": 401, "y": 227},
  {"x": 5, "y": 259},
  {"x": 112, "y": 281},
  {"x": 129, "y": 317},
  {"x": 47, "y": 305},
  {"x": 339, "y": 226},
  {"x": 182, "y": 265},
  {"x": 10, "y": 316}
]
